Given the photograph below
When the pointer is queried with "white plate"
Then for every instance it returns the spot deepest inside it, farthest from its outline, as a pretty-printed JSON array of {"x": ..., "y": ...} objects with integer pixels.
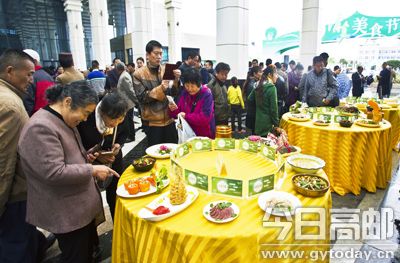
[
  {"x": 279, "y": 195},
  {"x": 207, "y": 208},
  {"x": 153, "y": 151},
  {"x": 121, "y": 191},
  {"x": 163, "y": 200}
]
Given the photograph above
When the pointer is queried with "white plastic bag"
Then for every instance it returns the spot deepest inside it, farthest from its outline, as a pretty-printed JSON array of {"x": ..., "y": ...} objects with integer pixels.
[{"x": 185, "y": 132}]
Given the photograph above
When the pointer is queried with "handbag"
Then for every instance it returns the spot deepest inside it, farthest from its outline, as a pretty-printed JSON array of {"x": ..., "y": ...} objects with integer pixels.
[{"x": 185, "y": 132}]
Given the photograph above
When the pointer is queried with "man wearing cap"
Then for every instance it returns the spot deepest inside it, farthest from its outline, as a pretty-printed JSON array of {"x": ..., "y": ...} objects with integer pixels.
[{"x": 36, "y": 92}]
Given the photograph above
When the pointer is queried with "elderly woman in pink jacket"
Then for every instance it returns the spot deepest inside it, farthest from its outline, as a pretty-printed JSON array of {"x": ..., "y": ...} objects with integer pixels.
[{"x": 195, "y": 105}]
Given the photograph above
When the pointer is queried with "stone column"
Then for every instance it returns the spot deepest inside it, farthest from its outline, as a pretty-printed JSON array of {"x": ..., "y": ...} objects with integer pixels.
[
  {"x": 233, "y": 35},
  {"x": 138, "y": 19},
  {"x": 73, "y": 9},
  {"x": 310, "y": 32},
  {"x": 99, "y": 24},
  {"x": 174, "y": 30}
]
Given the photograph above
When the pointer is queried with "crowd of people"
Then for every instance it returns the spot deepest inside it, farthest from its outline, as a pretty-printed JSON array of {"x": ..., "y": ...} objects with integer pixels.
[{"x": 61, "y": 134}]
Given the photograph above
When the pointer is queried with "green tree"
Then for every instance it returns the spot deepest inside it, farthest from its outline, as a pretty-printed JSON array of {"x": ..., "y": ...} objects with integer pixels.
[
  {"x": 395, "y": 64},
  {"x": 343, "y": 62}
]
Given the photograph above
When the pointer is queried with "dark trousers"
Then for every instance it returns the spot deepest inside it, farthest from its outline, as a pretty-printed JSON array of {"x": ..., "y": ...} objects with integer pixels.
[
  {"x": 19, "y": 241},
  {"x": 156, "y": 135},
  {"x": 130, "y": 124},
  {"x": 77, "y": 246},
  {"x": 236, "y": 112}
]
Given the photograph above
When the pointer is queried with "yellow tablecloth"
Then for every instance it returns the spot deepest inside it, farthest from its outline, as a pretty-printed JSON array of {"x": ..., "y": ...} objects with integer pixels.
[
  {"x": 393, "y": 116},
  {"x": 189, "y": 237},
  {"x": 355, "y": 157}
]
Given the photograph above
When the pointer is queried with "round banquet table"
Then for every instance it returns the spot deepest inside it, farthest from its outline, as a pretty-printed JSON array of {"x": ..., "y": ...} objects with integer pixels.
[
  {"x": 189, "y": 237},
  {"x": 356, "y": 157}
]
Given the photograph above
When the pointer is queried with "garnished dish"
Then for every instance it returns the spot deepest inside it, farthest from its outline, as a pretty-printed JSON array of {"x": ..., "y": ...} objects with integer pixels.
[
  {"x": 161, "y": 150},
  {"x": 144, "y": 164},
  {"x": 154, "y": 183},
  {"x": 164, "y": 149},
  {"x": 296, "y": 108},
  {"x": 310, "y": 184},
  {"x": 347, "y": 110},
  {"x": 221, "y": 211},
  {"x": 303, "y": 163},
  {"x": 278, "y": 203},
  {"x": 299, "y": 117},
  {"x": 161, "y": 207},
  {"x": 367, "y": 123},
  {"x": 322, "y": 122}
]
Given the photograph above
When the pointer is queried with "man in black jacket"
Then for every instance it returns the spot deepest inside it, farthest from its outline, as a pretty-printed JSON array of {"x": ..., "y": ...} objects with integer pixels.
[{"x": 358, "y": 82}]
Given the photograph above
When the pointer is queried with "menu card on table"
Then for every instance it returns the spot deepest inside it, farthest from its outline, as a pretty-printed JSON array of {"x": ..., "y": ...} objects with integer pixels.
[
  {"x": 248, "y": 146},
  {"x": 260, "y": 185},
  {"x": 199, "y": 145},
  {"x": 196, "y": 179},
  {"x": 227, "y": 186},
  {"x": 224, "y": 144}
]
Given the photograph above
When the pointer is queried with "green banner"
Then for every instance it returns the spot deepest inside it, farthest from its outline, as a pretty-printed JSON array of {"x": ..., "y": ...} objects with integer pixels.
[
  {"x": 227, "y": 186},
  {"x": 354, "y": 26},
  {"x": 261, "y": 185},
  {"x": 224, "y": 144},
  {"x": 199, "y": 145},
  {"x": 196, "y": 179}
]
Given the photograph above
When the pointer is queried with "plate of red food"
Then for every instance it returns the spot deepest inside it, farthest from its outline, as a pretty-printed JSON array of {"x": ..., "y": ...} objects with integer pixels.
[
  {"x": 221, "y": 211},
  {"x": 161, "y": 207}
]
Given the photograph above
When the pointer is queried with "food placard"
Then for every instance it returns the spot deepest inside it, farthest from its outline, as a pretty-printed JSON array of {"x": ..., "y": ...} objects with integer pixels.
[
  {"x": 248, "y": 146},
  {"x": 224, "y": 144},
  {"x": 182, "y": 150},
  {"x": 324, "y": 117},
  {"x": 226, "y": 186},
  {"x": 268, "y": 152},
  {"x": 196, "y": 179},
  {"x": 201, "y": 145},
  {"x": 261, "y": 185}
]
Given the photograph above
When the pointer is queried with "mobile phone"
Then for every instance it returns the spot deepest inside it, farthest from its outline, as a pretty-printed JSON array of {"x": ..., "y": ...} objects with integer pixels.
[
  {"x": 106, "y": 153},
  {"x": 94, "y": 149}
]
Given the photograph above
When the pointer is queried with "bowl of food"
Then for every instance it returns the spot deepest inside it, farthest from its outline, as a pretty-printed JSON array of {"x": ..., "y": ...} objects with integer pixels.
[
  {"x": 144, "y": 164},
  {"x": 310, "y": 185},
  {"x": 345, "y": 123},
  {"x": 303, "y": 163}
]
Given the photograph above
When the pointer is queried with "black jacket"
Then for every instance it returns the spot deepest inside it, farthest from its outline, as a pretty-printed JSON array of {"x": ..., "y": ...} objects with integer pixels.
[
  {"x": 91, "y": 136},
  {"x": 358, "y": 84}
]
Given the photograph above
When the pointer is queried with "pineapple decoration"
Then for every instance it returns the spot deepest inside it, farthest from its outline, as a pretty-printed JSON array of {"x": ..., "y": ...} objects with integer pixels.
[{"x": 178, "y": 193}]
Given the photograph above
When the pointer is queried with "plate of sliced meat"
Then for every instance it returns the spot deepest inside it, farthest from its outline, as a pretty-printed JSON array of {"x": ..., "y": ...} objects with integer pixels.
[{"x": 221, "y": 211}]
